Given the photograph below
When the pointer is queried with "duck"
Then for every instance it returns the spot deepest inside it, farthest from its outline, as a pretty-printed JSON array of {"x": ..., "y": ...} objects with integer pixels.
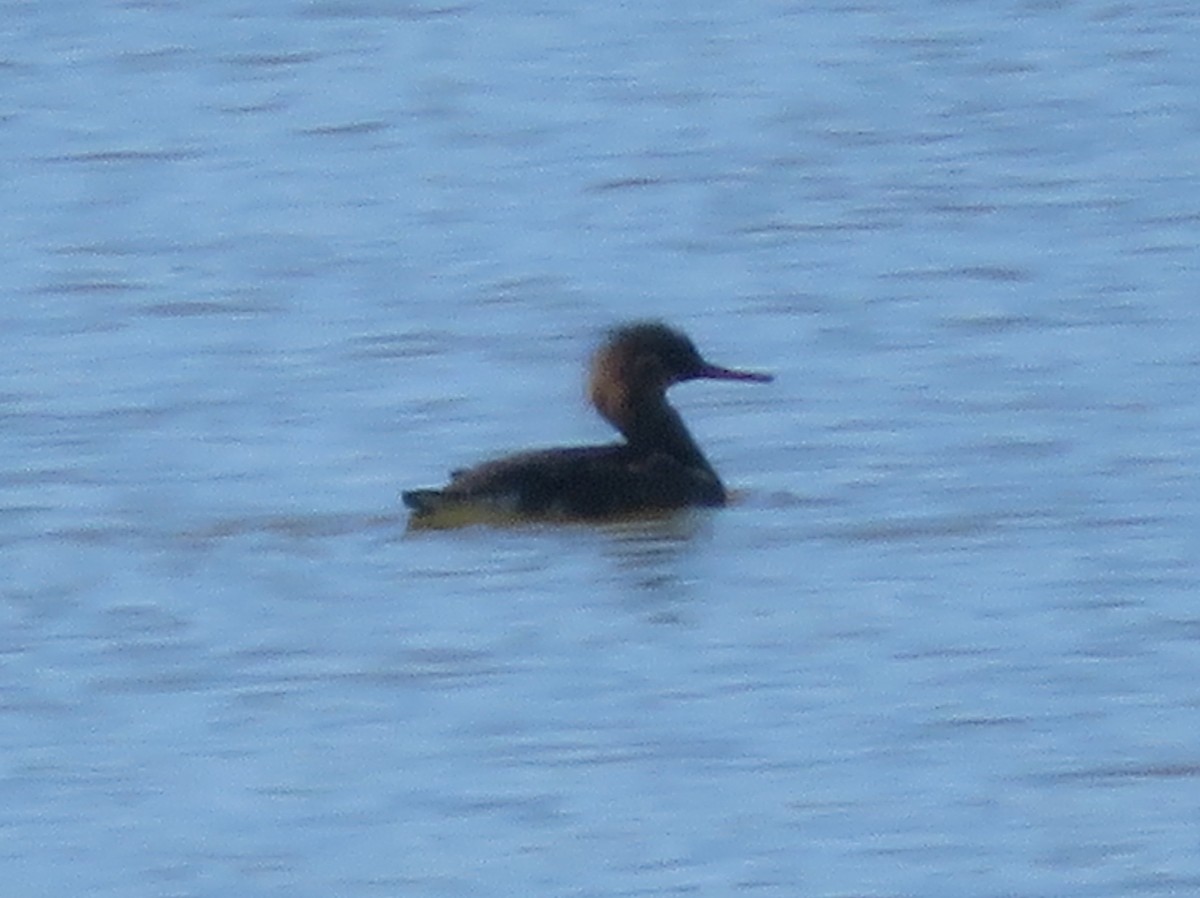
[{"x": 656, "y": 468}]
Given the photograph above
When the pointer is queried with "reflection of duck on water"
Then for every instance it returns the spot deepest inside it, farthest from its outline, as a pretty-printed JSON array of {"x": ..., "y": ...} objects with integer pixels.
[{"x": 659, "y": 467}]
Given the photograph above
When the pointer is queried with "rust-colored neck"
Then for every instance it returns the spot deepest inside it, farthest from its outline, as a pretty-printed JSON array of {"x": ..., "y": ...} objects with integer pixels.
[{"x": 631, "y": 396}]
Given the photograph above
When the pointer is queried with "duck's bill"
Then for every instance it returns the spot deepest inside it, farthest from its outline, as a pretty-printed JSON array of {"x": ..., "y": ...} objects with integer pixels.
[{"x": 716, "y": 372}]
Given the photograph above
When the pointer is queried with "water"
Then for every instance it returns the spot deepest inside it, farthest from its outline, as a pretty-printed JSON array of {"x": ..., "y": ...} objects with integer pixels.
[{"x": 268, "y": 264}]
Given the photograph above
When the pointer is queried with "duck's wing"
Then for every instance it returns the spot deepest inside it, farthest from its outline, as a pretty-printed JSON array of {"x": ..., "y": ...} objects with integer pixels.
[
  {"x": 540, "y": 484},
  {"x": 584, "y": 483}
]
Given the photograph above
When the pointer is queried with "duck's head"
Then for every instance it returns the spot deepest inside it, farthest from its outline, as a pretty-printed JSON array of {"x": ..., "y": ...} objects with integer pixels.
[{"x": 639, "y": 362}]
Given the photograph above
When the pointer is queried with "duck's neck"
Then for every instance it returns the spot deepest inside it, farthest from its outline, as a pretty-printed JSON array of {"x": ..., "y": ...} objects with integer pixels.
[
  {"x": 647, "y": 421},
  {"x": 654, "y": 426}
]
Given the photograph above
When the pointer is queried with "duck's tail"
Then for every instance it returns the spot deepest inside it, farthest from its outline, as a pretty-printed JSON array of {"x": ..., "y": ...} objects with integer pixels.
[
  {"x": 439, "y": 509},
  {"x": 422, "y": 501}
]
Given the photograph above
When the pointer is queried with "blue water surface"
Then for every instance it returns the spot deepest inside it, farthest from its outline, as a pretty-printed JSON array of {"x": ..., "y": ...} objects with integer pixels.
[{"x": 267, "y": 264}]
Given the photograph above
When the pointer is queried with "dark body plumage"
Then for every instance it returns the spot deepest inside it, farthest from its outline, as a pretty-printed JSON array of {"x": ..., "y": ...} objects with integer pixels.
[{"x": 659, "y": 467}]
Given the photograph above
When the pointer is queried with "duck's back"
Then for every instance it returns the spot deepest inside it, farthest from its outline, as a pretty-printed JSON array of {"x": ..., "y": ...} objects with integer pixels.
[{"x": 589, "y": 482}]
